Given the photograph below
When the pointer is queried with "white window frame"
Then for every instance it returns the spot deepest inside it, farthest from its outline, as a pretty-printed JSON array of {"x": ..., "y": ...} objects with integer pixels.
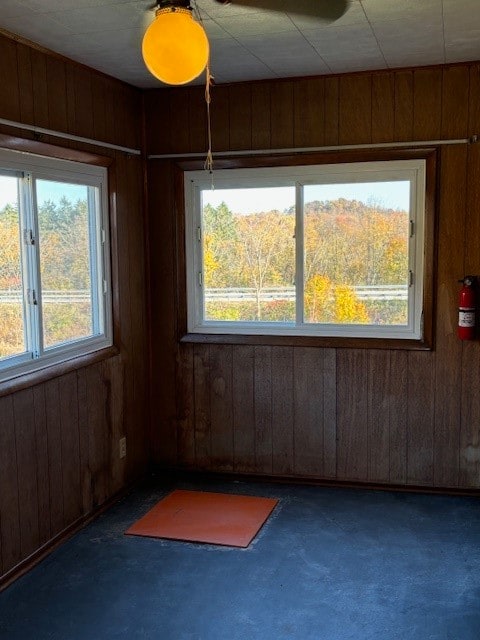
[
  {"x": 29, "y": 168},
  {"x": 412, "y": 170}
]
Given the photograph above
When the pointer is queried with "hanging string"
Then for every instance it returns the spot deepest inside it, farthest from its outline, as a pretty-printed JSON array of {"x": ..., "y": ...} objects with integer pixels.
[
  {"x": 208, "y": 83},
  {"x": 208, "y": 98}
]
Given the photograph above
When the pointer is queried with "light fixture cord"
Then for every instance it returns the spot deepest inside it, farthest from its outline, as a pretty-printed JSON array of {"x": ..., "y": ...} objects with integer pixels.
[{"x": 208, "y": 98}]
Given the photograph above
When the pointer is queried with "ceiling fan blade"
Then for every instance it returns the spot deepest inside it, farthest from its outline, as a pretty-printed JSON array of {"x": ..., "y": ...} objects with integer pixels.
[{"x": 328, "y": 10}]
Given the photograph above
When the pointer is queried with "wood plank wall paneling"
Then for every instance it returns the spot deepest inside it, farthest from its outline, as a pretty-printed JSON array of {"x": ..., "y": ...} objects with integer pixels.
[
  {"x": 220, "y": 119},
  {"x": 57, "y": 94},
  {"x": 59, "y": 449},
  {"x": 162, "y": 226},
  {"x": 24, "y": 82},
  {"x": 391, "y": 417},
  {"x": 261, "y": 117},
  {"x": 240, "y": 101},
  {"x": 9, "y": 100},
  {"x": 197, "y": 123},
  {"x": 449, "y": 348},
  {"x": 315, "y": 423},
  {"x": 331, "y": 111},
  {"x": 39, "y": 88},
  {"x": 355, "y": 124},
  {"x": 470, "y": 401},
  {"x": 283, "y": 451},
  {"x": 24, "y": 417},
  {"x": 243, "y": 409},
  {"x": 159, "y": 118},
  {"x": 383, "y": 107},
  {"x": 202, "y": 424},
  {"x": 352, "y": 415},
  {"x": 10, "y": 508},
  {"x": 262, "y": 379},
  {"x": 50, "y": 92},
  {"x": 42, "y": 463},
  {"x": 221, "y": 413},
  {"x": 309, "y": 124},
  {"x": 404, "y": 102},
  {"x": 427, "y": 118},
  {"x": 185, "y": 405},
  {"x": 281, "y": 115}
]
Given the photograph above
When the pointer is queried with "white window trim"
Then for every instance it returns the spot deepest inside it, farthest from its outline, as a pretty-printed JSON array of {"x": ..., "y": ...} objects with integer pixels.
[
  {"x": 45, "y": 168},
  {"x": 195, "y": 181}
]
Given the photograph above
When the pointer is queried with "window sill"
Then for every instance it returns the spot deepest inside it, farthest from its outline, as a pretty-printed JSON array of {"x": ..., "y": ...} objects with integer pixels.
[
  {"x": 26, "y": 380},
  {"x": 308, "y": 341}
]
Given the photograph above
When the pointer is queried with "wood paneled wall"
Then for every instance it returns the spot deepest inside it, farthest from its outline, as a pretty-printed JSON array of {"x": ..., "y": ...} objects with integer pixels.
[
  {"x": 59, "y": 451},
  {"x": 400, "y": 417}
]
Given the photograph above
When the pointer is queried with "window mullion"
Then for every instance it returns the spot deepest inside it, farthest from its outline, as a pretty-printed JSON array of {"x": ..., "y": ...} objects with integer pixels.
[
  {"x": 96, "y": 283},
  {"x": 198, "y": 250},
  {"x": 299, "y": 256},
  {"x": 24, "y": 204},
  {"x": 33, "y": 297}
]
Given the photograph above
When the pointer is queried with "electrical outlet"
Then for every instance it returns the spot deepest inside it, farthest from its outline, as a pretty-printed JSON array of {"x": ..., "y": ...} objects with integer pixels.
[{"x": 123, "y": 447}]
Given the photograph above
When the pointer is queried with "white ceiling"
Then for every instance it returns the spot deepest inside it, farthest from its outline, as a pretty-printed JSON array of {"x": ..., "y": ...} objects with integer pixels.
[{"x": 249, "y": 44}]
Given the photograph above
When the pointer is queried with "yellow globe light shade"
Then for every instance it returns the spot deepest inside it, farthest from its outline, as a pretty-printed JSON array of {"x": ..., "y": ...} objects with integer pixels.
[{"x": 175, "y": 48}]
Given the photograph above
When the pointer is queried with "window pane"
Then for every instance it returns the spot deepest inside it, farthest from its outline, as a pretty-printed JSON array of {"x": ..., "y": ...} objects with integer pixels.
[
  {"x": 249, "y": 254},
  {"x": 12, "y": 334},
  {"x": 356, "y": 240},
  {"x": 66, "y": 263}
]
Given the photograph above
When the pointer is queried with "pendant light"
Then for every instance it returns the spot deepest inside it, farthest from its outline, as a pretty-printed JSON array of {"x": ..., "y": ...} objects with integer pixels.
[{"x": 175, "y": 47}]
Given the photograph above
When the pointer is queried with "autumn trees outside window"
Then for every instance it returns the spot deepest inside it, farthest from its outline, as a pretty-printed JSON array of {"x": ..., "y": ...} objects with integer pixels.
[
  {"x": 315, "y": 250},
  {"x": 54, "y": 270}
]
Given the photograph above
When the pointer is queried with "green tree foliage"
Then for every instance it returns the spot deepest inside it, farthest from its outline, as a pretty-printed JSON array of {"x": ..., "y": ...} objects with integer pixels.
[
  {"x": 65, "y": 266},
  {"x": 356, "y": 244},
  {"x": 11, "y": 330},
  {"x": 10, "y": 262},
  {"x": 64, "y": 250},
  {"x": 329, "y": 303},
  {"x": 11, "y": 326},
  {"x": 347, "y": 244},
  {"x": 219, "y": 232},
  {"x": 266, "y": 252}
]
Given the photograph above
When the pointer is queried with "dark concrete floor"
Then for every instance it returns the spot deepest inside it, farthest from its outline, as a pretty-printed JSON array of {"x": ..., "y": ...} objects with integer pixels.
[{"x": 330, "y": 564}]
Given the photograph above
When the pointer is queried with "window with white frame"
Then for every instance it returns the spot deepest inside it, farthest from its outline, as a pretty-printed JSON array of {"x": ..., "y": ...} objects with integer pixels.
[
  {"x": 55, "y": 300},
  {"x": 318, "y": 250}
]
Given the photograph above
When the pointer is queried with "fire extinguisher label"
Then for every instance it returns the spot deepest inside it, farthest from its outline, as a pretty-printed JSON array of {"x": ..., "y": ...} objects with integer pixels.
[{"x": 466, "y": 318}]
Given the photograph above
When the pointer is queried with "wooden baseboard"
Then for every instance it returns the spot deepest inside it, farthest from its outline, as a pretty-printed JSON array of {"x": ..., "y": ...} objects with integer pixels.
[
  {"x": 197, "y": 474},
  {"x": 42, "y": 552}
]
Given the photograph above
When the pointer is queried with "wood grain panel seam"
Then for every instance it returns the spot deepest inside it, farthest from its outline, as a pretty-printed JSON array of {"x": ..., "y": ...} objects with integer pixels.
[{"x": 18, "y": 477}]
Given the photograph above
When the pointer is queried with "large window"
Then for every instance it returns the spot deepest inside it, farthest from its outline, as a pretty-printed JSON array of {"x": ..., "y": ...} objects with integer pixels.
[
  {"x": 318, "y": 250},
  {"x": 54, "y": 270}
]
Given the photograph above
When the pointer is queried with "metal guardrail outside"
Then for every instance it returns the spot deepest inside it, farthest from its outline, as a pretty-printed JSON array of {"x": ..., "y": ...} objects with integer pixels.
[
  {"x": 227, "y": 294},
  {"x": 48, "y": 296},
  {"x": 247, "y": 294}
]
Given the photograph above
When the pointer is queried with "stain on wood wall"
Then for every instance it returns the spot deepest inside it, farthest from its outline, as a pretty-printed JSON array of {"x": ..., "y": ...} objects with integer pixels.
[
  {"x": 59, "y": 439},
  {"x": 391, "y": 417}
]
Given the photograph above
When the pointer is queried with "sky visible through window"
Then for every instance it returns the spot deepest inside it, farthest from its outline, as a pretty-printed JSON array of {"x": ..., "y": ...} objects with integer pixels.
[
  {"x": 46, "y": 190},
  {"x": 389, "y": 195},
  {"x": 8, "y": 191},
  {"x": 392, "y": 195}
]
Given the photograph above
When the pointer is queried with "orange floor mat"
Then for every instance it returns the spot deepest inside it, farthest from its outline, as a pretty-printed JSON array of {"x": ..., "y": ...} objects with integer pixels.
[{"x": 197, "y": 516}]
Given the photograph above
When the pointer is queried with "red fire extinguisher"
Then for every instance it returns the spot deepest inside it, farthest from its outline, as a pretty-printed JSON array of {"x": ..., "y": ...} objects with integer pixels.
[{"x": 466, "y": 309}]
